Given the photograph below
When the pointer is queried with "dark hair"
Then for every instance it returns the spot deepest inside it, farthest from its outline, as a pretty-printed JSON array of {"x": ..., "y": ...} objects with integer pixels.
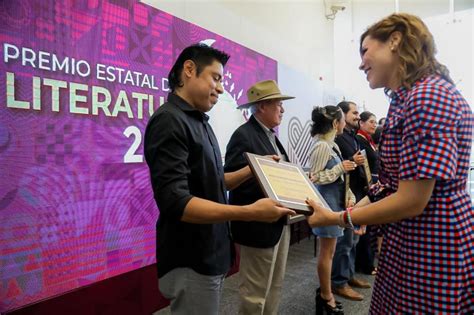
[
  {"x": 323, "y": 117},
  {"x": 345, "y": 106},
  {"x": 417, "y": 48},
  {"x": 382, "y": 120},
  {"x": 202, "y": 55},
  {"x": 364, "y": 116},
  {"x": 376, "y": 135}
]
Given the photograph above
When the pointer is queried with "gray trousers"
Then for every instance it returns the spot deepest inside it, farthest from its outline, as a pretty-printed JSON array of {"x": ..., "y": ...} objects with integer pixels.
[{"x": 190, "y": 292}]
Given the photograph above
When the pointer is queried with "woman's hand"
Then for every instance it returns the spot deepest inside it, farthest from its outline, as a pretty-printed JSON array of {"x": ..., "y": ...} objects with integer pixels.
[{"x": 321, "y": 216}]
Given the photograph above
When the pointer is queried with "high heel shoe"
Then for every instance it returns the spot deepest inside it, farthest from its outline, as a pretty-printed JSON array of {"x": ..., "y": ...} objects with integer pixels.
[
  {"x": 323, "y": 307},
  {"x": 338, "y": 303}
]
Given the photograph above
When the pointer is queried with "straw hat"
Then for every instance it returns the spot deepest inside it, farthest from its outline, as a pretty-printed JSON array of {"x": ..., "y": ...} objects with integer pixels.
[{"x": 264, "y": 90}]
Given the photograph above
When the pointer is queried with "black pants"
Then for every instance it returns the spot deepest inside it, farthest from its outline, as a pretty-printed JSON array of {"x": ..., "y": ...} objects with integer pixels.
[{"x": 364, "y": 261}]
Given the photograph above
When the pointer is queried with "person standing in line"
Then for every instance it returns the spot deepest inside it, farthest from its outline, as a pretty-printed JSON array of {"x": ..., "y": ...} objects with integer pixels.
[
  {"x": 343, "y": 268},
  {"x": 327, "y": 173},
  {"x": 378, "y": 132},
  {"x": 364, "y": 253},
  {"x": 193, "y": 245},
  {"x": 367, "y": 127},
  {"x": 263, "y": 246}
]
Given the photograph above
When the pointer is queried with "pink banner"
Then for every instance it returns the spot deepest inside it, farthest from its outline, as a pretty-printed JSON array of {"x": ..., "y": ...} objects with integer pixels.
[{"x": 80, "y": 81}]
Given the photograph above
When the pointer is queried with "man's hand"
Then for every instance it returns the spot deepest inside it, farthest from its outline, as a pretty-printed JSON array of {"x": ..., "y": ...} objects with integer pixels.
[
  {"x": 275, "y": 158},
  {"x": 267, "y": 210},
  {"x": 361, "y": 230},
  {"x": 358, "y": 158},
  {"x": 348, "y": 166}
]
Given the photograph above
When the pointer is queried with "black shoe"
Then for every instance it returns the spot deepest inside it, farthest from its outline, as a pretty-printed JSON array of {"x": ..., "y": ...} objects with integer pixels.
[
  {"x": 338, "y": 303},
  {"x": 322, "y": 306}
]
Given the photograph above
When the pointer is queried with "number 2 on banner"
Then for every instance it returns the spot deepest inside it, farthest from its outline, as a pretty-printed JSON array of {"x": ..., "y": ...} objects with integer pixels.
[{"x": 131, "y": 156}]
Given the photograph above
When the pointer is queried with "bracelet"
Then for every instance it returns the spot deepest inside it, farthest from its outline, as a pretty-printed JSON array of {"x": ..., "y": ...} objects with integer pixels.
[
  {"x": 345, "y": 220},
  {"x": 341, "y": 219},
  {"x": 349, "y": 219}
]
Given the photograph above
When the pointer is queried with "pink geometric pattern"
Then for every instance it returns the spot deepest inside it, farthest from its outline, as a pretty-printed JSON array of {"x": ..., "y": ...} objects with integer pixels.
[{"x": 71, "y": 211}]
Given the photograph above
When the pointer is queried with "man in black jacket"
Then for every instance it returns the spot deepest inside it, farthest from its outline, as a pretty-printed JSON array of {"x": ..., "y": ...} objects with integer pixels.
[
  {"x": 264, "y": 246},
  {"x": 193, "y": 246},
  {"x": 343, "y": 267}
]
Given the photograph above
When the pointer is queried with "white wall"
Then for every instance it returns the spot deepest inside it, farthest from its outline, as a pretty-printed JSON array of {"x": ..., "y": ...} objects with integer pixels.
[
  {"x": 455, "y": 43},
  {"x": 454, "y": 40},
  {"x": 295, "y": 127},
  {"x": 318, "y": 58},
  {"x": 295, "y": 33},
  {"x": 296, "y": 123}
]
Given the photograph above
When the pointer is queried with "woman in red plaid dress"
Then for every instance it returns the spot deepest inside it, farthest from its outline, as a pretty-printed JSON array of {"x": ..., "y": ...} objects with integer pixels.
[{"x": 427, "y": 260}]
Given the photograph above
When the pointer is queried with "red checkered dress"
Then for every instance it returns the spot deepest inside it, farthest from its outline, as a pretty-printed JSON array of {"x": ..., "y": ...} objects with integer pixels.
[{"x": 427, "y": 262}]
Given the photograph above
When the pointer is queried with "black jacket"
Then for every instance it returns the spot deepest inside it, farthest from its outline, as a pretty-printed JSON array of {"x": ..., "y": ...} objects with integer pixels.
[
  {"x": 372, "y": 155},
  {"x": 250, "y": 137},
  {"x": 349, "y": 145}
]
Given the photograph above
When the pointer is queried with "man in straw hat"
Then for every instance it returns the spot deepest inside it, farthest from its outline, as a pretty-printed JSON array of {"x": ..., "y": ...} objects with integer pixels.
[
  {"x": 264, "y": 246},
  {"x": 193, "y": 246}
]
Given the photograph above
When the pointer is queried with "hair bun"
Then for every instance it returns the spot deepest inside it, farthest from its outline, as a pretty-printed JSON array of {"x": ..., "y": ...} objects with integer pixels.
[{"x": 320, "y": 110}]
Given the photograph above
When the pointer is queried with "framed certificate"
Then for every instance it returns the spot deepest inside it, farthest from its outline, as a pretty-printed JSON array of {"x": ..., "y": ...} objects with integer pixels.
[
  {"x": 347, "y": 182},
  {"x": 368, "y": 173},
  {"x": 291, "y": 219},
  {"x": 284, "y": 182}
]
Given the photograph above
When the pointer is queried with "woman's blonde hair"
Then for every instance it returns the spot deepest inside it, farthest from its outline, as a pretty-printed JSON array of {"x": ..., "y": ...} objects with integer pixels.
[{"x": 416, "y": 50}]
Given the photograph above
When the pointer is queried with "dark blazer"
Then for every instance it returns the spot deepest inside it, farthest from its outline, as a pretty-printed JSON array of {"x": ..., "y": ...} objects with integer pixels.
[
  {"x": 348, "y": 144},
  {"x": 372, "y": 155},
  {"x": 250, "y": 137}
]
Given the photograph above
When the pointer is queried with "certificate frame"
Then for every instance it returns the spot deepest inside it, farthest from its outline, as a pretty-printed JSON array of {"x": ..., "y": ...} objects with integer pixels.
[
  {"x": 368, "y": 172},
  {"x": 347, "y": 182},
  {"x": 292, "y": 219},
  {"x": 285, "y": 183}
]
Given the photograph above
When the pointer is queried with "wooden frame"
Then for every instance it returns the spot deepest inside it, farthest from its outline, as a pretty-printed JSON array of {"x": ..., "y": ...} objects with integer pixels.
[
  {"x": 368, "y": 173},
  {"x": 284, "y": 182}
]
